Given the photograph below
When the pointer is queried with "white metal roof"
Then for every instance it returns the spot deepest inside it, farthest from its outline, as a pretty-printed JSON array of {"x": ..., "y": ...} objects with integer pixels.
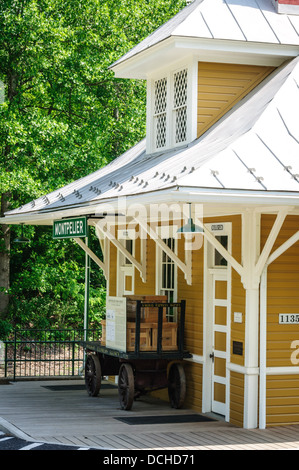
[
  {"x": 248, "y": 21},
  {"x": 255, "y": 148}
]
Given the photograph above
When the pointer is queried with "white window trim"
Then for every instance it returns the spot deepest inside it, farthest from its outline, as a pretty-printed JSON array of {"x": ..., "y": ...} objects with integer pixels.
[
  {"x": 165, "y": 232},
  {"x": 124, "y": 269},
  {"x": 192, "y": 68}
]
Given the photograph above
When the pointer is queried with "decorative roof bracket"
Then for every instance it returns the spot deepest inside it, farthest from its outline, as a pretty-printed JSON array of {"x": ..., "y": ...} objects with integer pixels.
[
  {"x": 110, "y": 236},
  {"x": 184, "y": 267},
  {"x": 92, "y": 255}
]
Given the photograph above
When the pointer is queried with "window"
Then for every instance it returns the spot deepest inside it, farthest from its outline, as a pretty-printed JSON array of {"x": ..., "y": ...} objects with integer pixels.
[
  {"x": 168, "y": 278},
  {"x": 129, "y": 248},
  {"x": 167, "y": 267},
  {"x": 125, "y": 281},
  {"x": 180, "y": 106},
  {"x": 219, "y": 259},
  {"x": 160, "y": 113},
  {"x": 170, "y": 110}
]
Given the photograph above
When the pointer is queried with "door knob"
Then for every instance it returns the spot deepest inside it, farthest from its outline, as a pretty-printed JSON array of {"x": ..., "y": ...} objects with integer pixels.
[{"x": 212, "y": 356}]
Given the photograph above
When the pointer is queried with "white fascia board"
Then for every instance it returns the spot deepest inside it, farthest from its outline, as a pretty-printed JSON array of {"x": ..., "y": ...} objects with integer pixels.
[
  {"x": 286, "y": 9},
  {"x": 234, "y": 198},
  {"x": 142, "y": 64},
  {"x": 244, "y": 52},
  {"x": 173, "y": 49}
]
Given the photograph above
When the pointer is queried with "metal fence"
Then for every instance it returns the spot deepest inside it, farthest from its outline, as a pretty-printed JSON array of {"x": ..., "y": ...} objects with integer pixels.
[{"x": 44, "y": 353}]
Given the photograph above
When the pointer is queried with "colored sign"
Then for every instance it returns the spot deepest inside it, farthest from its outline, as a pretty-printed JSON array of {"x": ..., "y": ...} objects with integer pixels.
[{"x": 70, "y": 228}]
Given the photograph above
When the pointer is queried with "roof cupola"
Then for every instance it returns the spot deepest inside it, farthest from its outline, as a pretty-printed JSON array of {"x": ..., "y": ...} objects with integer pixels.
[{"x": 289, "y": 7}]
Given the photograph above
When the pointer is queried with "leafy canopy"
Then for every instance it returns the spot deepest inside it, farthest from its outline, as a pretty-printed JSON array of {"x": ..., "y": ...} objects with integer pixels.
[{"x": 65, "y": 115}]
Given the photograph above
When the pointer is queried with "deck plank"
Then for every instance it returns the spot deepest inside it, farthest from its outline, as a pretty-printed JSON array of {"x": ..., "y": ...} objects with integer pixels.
[{"x": 72, "y": 417}]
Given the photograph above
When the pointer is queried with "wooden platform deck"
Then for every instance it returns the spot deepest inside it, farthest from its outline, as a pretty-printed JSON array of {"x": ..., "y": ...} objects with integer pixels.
[{"x": 66, "y": 414}]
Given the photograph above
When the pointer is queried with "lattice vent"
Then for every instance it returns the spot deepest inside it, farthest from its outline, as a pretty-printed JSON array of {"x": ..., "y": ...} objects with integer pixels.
[
  {"x": 160, "y": 96},
  {"x": 180, "y": 105},
  {"x": 160, "y": 112}
]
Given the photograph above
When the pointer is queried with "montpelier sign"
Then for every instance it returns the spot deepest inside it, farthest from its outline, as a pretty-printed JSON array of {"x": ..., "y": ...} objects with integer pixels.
[{"x": 70, "y": 228}]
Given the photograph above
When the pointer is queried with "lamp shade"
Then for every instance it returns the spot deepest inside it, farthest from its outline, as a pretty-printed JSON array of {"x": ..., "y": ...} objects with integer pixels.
[
  {"x": 190, "y": 226},
  {"x": 21, "y": 239}
]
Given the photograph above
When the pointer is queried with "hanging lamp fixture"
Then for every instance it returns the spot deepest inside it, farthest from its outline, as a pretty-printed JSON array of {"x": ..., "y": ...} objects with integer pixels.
[
  {"x": 190, "y": 226},
  {"x": 22, "y": 239}
]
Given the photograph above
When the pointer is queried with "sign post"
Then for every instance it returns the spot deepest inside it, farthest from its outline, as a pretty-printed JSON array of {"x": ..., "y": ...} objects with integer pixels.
[
  {"x": 87, "y": 283},
  {"x": 76, "y": 228}
]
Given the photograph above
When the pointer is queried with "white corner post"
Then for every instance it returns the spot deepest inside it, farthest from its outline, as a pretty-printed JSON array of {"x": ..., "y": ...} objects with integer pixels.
[
  {"x": 263, "y": 349},
  {"x": 254, "y": 264},
  {"x": 250, "y": 253},
  {"x": 251, "y": 358}
]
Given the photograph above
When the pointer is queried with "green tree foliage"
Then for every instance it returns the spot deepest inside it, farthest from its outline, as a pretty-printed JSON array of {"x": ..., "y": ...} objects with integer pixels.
[{"x": 64, "y": 116}]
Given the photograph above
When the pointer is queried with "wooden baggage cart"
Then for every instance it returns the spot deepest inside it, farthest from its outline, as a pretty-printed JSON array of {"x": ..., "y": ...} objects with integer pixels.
[{"x": 142, "y": 369}]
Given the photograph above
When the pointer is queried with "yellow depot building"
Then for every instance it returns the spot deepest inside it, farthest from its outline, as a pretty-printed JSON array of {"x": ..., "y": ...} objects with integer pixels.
[{"x": 221, "y": 159}]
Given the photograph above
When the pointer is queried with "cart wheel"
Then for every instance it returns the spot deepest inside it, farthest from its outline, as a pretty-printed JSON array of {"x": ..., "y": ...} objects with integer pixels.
[
  {"x": 176, "y": 385},
  {"x": 126, "y": 386},
  {"x": 93, "y": 375}
]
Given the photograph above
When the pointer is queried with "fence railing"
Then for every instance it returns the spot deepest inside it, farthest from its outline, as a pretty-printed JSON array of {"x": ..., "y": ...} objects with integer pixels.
[{"x": 44, "y": 353}]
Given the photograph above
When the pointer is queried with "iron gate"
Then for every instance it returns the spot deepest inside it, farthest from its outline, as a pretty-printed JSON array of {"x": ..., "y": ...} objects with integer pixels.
[{"x": 44, "y": 353}]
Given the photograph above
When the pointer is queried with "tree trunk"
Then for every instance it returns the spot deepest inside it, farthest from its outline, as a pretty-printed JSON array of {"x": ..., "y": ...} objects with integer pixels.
[
  {"x": 4, "y": 258},
  {"x": 12, "y": 81}
]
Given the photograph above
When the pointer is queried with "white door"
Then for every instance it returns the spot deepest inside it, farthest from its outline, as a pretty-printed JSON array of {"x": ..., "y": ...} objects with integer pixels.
[
  {"x": 218, "y": 317},
  {"x": 219, "y": 340}
]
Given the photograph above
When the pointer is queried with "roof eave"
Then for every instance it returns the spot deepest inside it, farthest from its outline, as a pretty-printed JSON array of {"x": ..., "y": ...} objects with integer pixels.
[
  {"x": 174, "y": 48},
  {"x": 175, "y": 194}
]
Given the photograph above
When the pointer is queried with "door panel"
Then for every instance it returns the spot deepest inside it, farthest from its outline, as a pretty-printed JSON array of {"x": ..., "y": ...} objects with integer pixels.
[
  {"x": 220, "y": 315},
  {"x": 219, "y": 341},
  {"x": 220, "y": 367},
  {"x": 220, "y": 289},
  {"x": 219, "y": 396},
  {"x": 220, "y": 308}
]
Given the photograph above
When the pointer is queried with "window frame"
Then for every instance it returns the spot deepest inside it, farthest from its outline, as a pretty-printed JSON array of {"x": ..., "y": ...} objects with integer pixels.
[
  {"x": 191, "y": 107},
  {"x": 167, "y": 233},
  {"x": 124, "y": 267}
]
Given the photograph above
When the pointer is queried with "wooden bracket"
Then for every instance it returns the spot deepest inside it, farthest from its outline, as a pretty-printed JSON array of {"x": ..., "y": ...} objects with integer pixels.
[
  {"x": 253, "y": 263},
  {"x": 186, "y": 268},
  {"x": 141, "y": 267},
  {"x": 92, "y": 255},
  {"x": 223, "y": 251}
]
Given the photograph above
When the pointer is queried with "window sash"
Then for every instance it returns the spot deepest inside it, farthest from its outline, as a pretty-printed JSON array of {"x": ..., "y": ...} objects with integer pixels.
[{"x": 170, "y": 113}]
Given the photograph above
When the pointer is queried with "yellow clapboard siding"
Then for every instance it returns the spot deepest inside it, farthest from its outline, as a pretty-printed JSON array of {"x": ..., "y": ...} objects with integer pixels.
[
  {"x": 282, "y": 293},
  {"x": 236, "y": 398},
  {"x": 148, "y": 287},
  {"x": 193, "y": 336},
  {"x": 282, "y": 400},
  {"x": 221, "y": 86},
  {"x": 237, "y": 295},
  {"x": 112, "y": 270},
  {"x": 282, "y": 297},
  {"x": 194, "y": 386}
]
